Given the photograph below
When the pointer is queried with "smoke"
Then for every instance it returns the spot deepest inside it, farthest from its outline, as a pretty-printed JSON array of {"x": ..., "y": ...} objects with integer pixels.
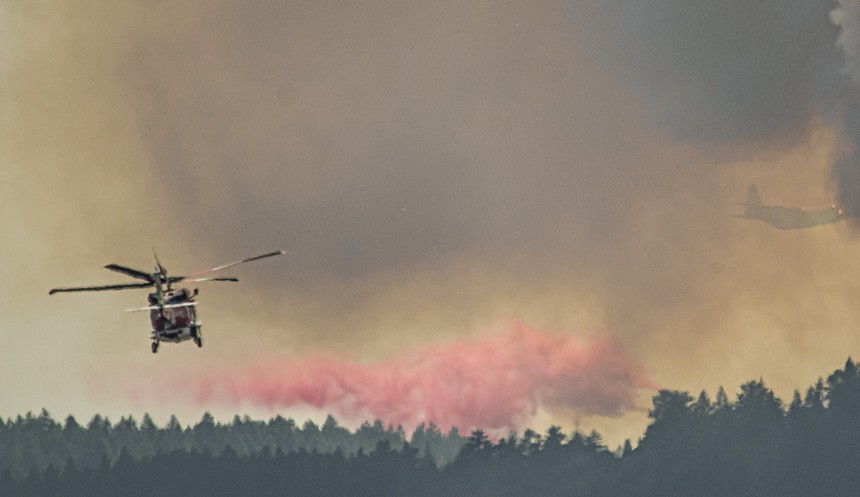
[
  {"x": 497, "y": 382},
  {"x": 746, "y": 79},
  {"x": 429, "y": 168},
  {"x": 847, "y": 167},
  {"x": 847, "y": 16},
  {"x": 723, "y": 74}
]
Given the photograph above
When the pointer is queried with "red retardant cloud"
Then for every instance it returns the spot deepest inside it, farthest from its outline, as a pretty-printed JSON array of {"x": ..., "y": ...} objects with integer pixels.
[{"x": 496, "y": 382}]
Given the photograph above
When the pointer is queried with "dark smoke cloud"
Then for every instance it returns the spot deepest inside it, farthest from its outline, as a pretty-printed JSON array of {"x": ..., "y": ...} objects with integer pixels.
[
  {"x": 744, "y": 78},
  {"x": 371, "y": 137},
  {"x": 723, "y": 74},
  {"x": 847, "y": 166}
]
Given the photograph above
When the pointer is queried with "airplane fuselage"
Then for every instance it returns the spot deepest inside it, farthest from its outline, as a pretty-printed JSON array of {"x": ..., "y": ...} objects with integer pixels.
[{"x": 786, "y": 218}]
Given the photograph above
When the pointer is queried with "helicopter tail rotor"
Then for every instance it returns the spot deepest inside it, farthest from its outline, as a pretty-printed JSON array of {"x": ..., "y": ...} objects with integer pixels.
[{"x": 161, "y": 271}]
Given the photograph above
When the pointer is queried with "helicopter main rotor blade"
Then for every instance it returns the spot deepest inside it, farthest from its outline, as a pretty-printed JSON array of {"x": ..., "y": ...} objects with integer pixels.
[
  {"x": 196, "y": 280},
  {"x": 225, "y": 266},
  {"x": 182, "y": 279},
  {"x": 134, "y": 273},
  {"x": 99, "y": 288}
]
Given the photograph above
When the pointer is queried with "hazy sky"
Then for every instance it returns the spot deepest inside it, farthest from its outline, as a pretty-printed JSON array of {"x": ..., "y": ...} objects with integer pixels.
[{"x": 432, "y": 170}]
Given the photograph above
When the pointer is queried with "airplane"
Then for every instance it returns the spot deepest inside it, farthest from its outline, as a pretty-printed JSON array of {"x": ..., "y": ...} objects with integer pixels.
[
  {"x": 172, "y": 312},
  {"x": 787, "y": 218}
]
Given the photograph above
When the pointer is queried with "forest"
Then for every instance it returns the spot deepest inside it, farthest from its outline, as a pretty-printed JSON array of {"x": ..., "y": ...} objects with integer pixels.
[{"x": 753, "y": 444}]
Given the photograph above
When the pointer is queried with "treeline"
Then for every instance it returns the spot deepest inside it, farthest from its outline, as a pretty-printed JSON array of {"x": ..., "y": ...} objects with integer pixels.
[
  {"x": 511, "y": 466},
  {"x": 754, "y": 444},
  {"x": 36, "y": 443}
]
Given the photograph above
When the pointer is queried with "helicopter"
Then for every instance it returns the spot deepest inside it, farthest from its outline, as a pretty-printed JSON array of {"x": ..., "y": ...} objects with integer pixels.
[{"x": 172, "y": 311}]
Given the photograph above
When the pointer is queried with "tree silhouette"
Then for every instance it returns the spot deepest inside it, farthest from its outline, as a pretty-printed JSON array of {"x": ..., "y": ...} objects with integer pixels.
[{"x": 691, "y": 447}]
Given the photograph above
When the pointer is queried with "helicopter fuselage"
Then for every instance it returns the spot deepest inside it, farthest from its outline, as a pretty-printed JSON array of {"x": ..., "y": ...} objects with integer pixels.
[{"x": 174, "y": 318}]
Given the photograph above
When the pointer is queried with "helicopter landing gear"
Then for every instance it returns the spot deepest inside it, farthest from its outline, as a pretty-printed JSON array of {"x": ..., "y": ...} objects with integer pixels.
[
  {"x": 154, "y": 346},
  {"x": 197, "y": 335}
]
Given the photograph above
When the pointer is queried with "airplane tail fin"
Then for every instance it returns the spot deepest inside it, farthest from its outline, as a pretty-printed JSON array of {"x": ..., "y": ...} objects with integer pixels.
[
  {"x": 753, "y": 201},
  {"x": 753, "y": 197}
]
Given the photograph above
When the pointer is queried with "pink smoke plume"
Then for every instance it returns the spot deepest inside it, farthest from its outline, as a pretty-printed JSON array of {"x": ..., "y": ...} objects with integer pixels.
[{"x": 493, "y": 383}]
